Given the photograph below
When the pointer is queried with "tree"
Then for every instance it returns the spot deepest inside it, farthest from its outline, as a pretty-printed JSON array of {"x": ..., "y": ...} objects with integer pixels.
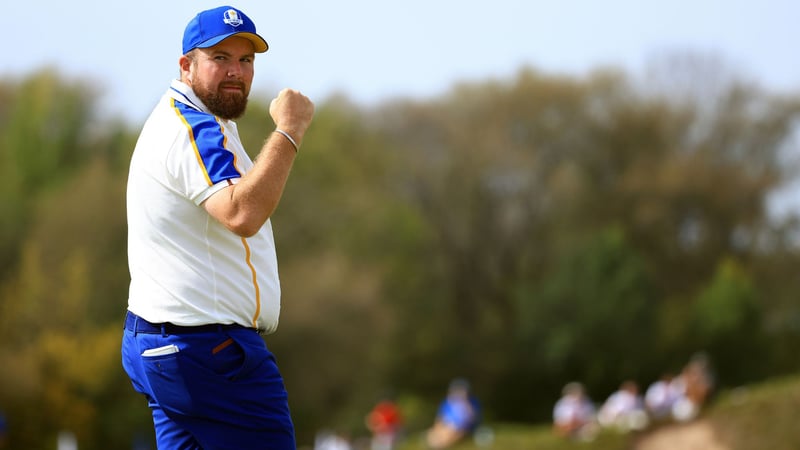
[
  {"x": 582, "y": 323},
  {"x": 727, "y": 324},
  {"x": 44, "y": 132}
]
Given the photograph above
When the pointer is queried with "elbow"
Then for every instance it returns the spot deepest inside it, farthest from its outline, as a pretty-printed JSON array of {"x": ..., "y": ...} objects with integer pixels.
[
  {"x": 246, "y": 226},
  {"x": 241, "y": 220},
  {"x": 244, "y": 231}
]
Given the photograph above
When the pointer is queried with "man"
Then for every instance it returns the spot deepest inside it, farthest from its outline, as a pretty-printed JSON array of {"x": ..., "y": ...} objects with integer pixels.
[
  {"x": 457, "y": 417},
  {"x": 574, "y": 413},
  {"x": 624, "y": 410},
  {"x": 204, "y": 280},
  {"x": 385, "y": 422},
  {"x": 3, "y": 430}
]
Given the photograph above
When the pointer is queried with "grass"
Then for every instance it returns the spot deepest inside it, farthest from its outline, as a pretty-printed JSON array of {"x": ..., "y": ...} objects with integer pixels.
[
  {"x": 527, "y": 437},
  {"x": 762, "y": 416}
]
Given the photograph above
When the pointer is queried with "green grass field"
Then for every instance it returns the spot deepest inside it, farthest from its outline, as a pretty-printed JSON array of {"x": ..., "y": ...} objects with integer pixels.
[
  {"x": 522, "y": 437},
  {"x": 763, "y": 416}
]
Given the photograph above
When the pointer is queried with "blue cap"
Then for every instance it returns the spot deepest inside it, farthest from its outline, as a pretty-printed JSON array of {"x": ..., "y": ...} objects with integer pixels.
[{"x": 209, "y": 28}]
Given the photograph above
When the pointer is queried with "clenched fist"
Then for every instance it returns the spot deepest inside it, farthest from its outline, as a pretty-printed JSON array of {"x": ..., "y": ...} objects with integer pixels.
[{"x": 292, "y": 112}]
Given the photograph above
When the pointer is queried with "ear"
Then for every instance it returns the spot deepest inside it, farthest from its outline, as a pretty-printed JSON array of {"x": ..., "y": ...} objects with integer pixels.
[{"x": 185, "y": 64}]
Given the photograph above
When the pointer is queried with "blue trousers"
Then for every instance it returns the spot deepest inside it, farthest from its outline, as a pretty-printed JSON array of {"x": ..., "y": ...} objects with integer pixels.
[{"x": 210, "y": 388}]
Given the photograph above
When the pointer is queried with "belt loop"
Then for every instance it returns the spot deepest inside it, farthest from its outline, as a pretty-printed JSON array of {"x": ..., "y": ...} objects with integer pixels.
[
  {"x": 163, "y": 330},
  {"x": 135, "y": 325}
]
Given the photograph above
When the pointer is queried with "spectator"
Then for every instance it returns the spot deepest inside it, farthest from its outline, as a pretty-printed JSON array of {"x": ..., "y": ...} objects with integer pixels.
[
  {"x": 327, "y": 440},
  {"x": 384, "y": 422},
  {"x": 696, "y": 383},
  {"x": 624, "y": 409},
  {"x": 574, "y": 414},
  {"x": 3, "y": 430},
  {"x": 661, "y": 396},
  {"x": 458, "y": 416}
]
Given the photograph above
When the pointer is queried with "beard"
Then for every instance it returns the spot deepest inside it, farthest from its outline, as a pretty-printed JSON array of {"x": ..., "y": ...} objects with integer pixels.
[{"x": 227, "y": 105}]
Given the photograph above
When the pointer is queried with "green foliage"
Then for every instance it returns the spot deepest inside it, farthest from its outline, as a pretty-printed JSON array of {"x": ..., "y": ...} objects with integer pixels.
[
  {"x": 727, "y": 306},
  {"x": 521, "y": 233},
  {"x": 727, "y": 320},
  {"x": 46, "y": 122},
  {"x": 43, "y": 134},
  {"x": 62, "y": 290},
  {"x": 598, "y": 297}
]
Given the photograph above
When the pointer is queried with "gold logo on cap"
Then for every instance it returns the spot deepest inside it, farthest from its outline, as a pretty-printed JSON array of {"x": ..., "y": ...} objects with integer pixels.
[{"x": 231, "y": 17}]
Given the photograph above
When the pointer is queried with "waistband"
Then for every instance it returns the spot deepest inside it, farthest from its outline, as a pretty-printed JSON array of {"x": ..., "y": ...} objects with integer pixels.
[{"x": 137, "y": 324}]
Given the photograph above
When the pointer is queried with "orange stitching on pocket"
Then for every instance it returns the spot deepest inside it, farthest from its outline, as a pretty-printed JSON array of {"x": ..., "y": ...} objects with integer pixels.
[{"x": 222, "y": 346}]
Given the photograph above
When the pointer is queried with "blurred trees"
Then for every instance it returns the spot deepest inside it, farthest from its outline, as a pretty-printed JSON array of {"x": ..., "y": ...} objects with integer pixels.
[
  {"x": 64, "y": 273},
  {"x": 574, "y": 225},
  {"x": 521, "y": 233}
]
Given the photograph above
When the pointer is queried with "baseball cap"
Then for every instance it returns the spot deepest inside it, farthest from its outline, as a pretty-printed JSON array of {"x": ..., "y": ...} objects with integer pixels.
[{"x": 210, "y": 27}]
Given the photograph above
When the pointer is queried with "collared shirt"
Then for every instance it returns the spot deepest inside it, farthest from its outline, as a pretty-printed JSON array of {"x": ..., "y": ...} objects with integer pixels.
[
  {"x": 186, "y": 267},
  {"x": 572, "y": 409}
]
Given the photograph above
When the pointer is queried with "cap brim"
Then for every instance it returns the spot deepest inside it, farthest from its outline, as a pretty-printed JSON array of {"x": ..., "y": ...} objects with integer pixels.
[{"x": 259, "y": 44}]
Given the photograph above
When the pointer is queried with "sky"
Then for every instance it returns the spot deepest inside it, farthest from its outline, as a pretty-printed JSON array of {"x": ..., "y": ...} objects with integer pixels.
[{"x": 372, "y": 51}]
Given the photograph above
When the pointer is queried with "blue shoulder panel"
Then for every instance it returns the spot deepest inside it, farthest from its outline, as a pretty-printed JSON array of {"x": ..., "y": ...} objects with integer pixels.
[{"x": 209, "y": 142}]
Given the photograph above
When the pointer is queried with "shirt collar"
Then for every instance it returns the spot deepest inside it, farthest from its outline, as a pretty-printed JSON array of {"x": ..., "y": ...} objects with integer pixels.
[{"x": 183, "y": 93}]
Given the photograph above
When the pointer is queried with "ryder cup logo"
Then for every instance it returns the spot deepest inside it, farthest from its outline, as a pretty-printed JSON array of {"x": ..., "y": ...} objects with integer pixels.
[{"x": 232, "y": 18}]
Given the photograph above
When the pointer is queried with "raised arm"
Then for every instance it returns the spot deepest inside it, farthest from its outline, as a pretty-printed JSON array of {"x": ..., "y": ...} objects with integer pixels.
[{"x": 245, "y": 206}]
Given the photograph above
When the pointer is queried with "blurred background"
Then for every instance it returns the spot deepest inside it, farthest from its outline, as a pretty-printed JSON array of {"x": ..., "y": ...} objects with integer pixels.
[{"x": 522, "y": 194}]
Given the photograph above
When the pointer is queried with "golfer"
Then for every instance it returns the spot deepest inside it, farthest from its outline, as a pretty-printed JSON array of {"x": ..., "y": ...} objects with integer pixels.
[{"x": 204, "y": 277}]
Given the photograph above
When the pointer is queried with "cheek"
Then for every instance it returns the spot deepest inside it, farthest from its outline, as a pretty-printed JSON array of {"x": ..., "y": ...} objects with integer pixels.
[
  {"x": 204, "y": 80},
  {"x": 247, "y": 72},
  {"x": 248, "y": 80},
  {"x": 203, "y": 71}
]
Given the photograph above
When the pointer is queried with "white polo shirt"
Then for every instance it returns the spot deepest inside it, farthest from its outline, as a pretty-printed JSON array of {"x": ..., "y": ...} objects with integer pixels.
[{"x": 186, "y": 268}]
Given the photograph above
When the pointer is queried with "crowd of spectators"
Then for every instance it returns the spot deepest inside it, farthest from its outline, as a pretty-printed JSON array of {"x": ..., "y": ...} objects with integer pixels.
[
  {"x": 673, "y": 397},
  {"x": 457, "y": 418}
]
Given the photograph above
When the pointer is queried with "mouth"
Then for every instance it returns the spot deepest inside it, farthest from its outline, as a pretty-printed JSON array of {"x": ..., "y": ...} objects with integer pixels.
[{"x": 229, "y": 87}]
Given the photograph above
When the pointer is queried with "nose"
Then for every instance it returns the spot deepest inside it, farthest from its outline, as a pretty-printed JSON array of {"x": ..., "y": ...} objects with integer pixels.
[{"x": 235, "y": 70}]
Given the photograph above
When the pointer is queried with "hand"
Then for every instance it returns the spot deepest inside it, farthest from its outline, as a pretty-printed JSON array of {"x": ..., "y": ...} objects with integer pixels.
[{"x": 292, "y": 112}]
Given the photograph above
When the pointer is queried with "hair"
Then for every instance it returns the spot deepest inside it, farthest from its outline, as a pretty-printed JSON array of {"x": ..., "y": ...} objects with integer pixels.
[{"x": 192, "y": 57}]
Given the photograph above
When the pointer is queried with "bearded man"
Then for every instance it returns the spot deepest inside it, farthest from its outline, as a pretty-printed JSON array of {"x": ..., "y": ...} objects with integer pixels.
[{"x": 201, "y": 253}]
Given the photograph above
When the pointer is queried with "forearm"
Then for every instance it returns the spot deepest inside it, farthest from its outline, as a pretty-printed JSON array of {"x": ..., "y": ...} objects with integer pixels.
[
  {"x": 263, "y": 186},
  {"x": 245, "y": 206}
]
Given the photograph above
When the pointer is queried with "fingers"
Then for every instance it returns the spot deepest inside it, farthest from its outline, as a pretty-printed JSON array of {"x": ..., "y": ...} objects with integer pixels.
[{"x": 292, "y": 112}]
